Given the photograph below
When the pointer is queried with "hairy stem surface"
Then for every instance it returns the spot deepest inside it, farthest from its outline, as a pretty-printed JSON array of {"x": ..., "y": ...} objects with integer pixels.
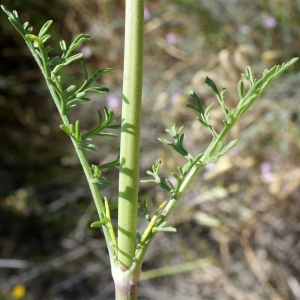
[
  {"x": 126, "y": 291},
  {"x": 130, "y": 132}
]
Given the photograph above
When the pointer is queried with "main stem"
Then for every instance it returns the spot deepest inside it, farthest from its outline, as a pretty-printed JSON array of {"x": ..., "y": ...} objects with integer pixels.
[{"x": 130, "y": 132}]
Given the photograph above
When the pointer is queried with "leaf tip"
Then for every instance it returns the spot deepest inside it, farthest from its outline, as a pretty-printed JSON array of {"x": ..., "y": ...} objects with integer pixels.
[{"x": 4, "y": 8}]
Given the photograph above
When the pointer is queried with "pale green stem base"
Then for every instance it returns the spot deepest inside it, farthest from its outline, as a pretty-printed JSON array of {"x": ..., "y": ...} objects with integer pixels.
[{"x": 126, "y": 291}]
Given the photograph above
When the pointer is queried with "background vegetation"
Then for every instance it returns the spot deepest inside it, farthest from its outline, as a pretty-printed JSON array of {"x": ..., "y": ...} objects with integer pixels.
[{"x": 242, "y": 214}]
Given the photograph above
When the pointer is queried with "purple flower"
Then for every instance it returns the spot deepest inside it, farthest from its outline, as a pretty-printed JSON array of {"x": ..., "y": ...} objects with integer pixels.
[
  {"x": 265, "y": 169},
  {"x": 146, "y": 13},
  {"x": 171, "y": 38},
  {"x": 210, "y": 166},
  {"x": 173, "y": 181},
  {"x": 269, "y": 22},
  {"x": 144, "y": 163},
  {"x": 95, "y": 29},
  {"x": 175, "y": 97},
  {"x": 114, "y": 103},
  {"x": 86, "y": 51}
]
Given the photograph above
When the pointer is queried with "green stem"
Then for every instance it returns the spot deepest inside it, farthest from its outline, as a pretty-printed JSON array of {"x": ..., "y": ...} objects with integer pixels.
[
  {"x": 130, "y": 132},
  {"x": 86, "y": 167},
  {"x": 196, "y": 168},
  {"x": 183, "y": 186},
  {"x": 81, "y": 155},
  {"x": 96, "y": 196}
]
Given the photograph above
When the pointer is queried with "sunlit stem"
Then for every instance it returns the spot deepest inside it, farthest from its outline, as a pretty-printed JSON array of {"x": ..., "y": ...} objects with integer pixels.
[{"x": 130, "y": 132}]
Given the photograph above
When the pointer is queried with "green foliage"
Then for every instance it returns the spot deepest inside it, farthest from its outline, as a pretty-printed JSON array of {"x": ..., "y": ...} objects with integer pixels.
[
  {"x": 164, "y": 184},
  {"x": 178, "y": 139},
  {"x": 215, "y": 150},
  {"x": 106, "y": 221},
  {"x": 66, "y": 98}
]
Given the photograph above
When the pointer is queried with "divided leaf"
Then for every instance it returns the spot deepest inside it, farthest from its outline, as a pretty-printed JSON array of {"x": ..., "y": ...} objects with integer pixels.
[
  {"x": 178, "y": 141},
  {"x": 163, "y": 184}
]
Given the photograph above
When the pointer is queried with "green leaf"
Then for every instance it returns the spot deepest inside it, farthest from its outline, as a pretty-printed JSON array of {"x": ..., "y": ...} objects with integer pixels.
[
  {"x": 55, "y": 60},
  {"x": 145, "y": 212},
  {"x": 99, "y": 223},
  {"x": 222, "y": 92},
  {"x": 219, "y": 95},
  {"x": 204, "y": 115},
  {"x": 241, "y": 89},
  {"x": 45, "y": 38},
  {"x": 80, "y": 99},
  {"x": 169, "y": 183},
  {"x": 30, "y": 29},
  {"x": 113, "y": 164},
  {"x": 106, "y": 124},
  {"x": 73, "y": 58},
  {"x": 25, "y": 25},
  {"x": 227, "y": 148},
  {"x": 97, "y": 74},
  {"x": 249, "y": 76},
  {"x": 57, "y": 80},
  {"x": 45, "y": 28},
  {"x": 138, "y": 236},
  {"x": 77, "y": 131},
  {"x": 64, "y": 62},
  {"x": 77, "y": 95},
  {"x": 47, "y": 49},
  {"x": 178, "y": 141},
  {"x": 176, "y": 176},
  {"x": 70, "y": 89},
  {"x": 63, "y": 45},
  {"x": 164, "y": 141},
  {"x": 97, "y": 171},
  {"x": 66, "y": 129},
  {"x": 15, "y": 13},
  {"x": 80, "y": 39},
  {"x": 89, "y": 147},
  {"x": 114, "y": 126},
  {"x": 14, "y": 19},
  {"x": 99, "y": 90},
  {"x": 71, "y": 107},
  {"x": 157, "y": 179},
  {"x": 7, "y": 11},
  {"x": 198, "y": 107},
  {"x": 260, "y": 85},
  {"x": 97, "y": 174},
  {"x": 212, "y": 86}
]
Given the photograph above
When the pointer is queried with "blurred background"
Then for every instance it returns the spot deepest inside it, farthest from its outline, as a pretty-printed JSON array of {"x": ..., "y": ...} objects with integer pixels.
[{"x": 238, "y": 226}]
